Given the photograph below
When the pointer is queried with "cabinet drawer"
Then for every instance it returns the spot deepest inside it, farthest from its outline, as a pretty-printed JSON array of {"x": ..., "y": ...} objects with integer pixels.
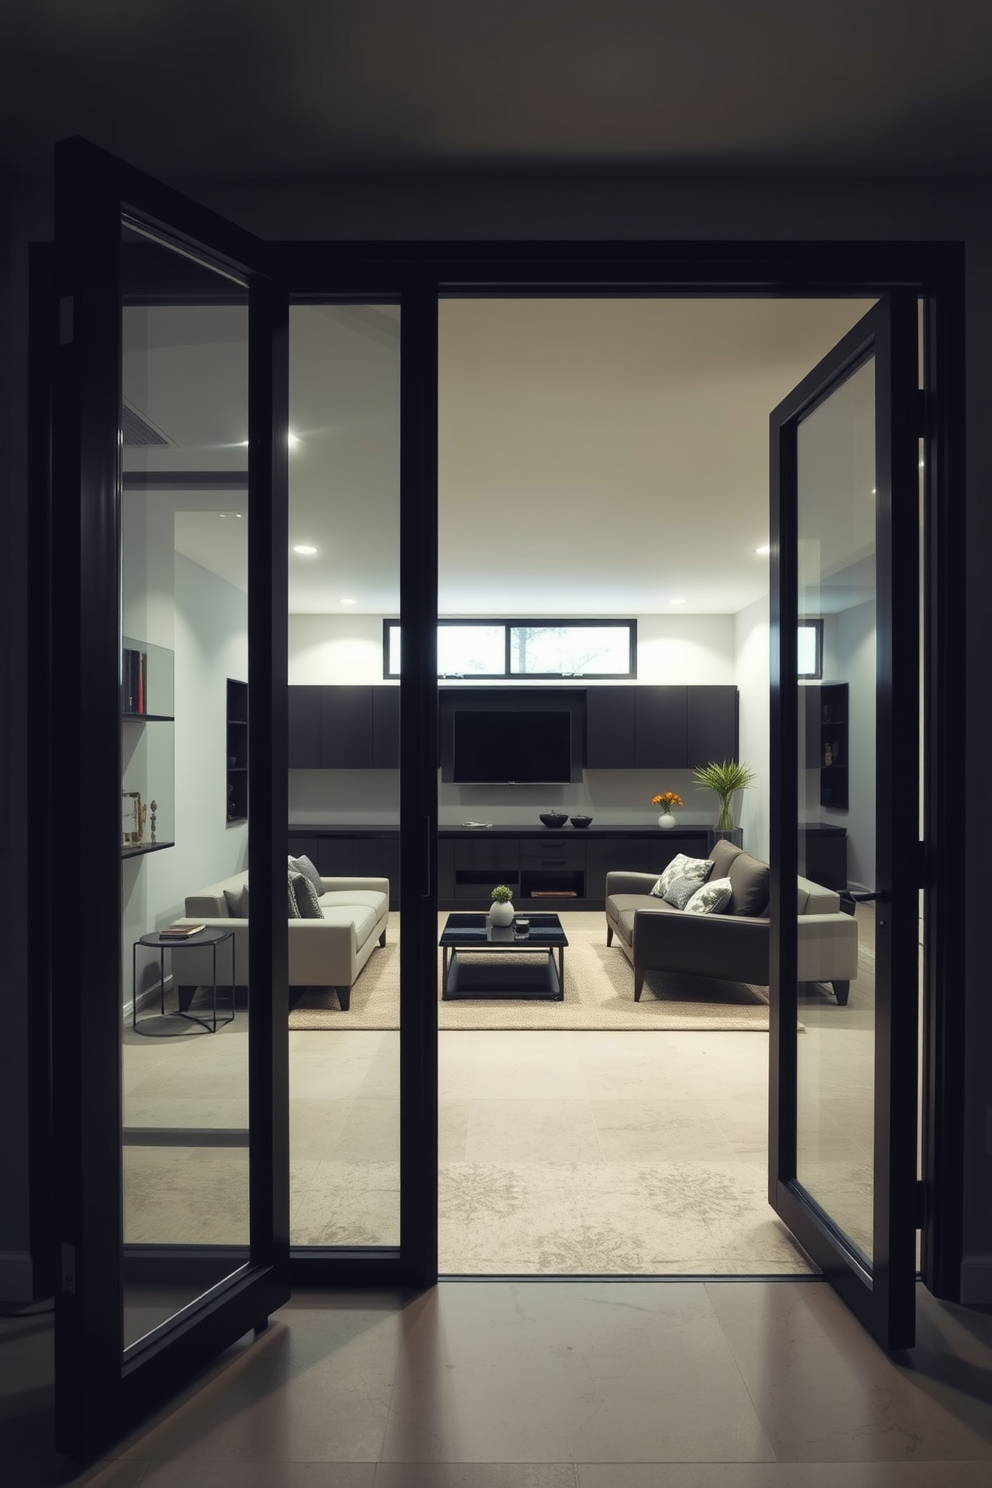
[
  {"x": 567, "y": 855},
  {"x": 487, "y": 854}
]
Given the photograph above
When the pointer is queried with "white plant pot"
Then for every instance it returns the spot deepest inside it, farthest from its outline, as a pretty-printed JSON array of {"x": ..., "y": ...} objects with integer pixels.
[
  {"x": 666, "y": 821},
  {"x": 502, "y": 914}
]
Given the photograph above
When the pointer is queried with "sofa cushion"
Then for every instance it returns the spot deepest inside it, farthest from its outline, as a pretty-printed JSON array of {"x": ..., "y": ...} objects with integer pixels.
[
  {"x": 237, "y": 901},
  {"x": 371, "y": 899},
  {"x": 303, "y": 865},
  {"x": 711, "y": 898},
  {"x": 723, "y": 854},
  {"x": 681, "y": 867},
  {"x": 621, "y": 908},
  {"x": 749, "y": 882},
  {"x": 681, "y": 890},
  {"x": 362, "y": 919},
  {"x": 292, "y": 906},
  {"x": 307, "y": 901}
]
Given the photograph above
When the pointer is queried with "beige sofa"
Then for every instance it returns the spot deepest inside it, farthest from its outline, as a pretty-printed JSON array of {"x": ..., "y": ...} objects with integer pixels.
[
  {"x": 732, "y": 945},
  {"x": 327, "y": 952}
]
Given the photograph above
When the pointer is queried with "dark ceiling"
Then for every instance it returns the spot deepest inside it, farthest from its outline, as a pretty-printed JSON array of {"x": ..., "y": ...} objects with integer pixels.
[{"x": 322, "y": 88}]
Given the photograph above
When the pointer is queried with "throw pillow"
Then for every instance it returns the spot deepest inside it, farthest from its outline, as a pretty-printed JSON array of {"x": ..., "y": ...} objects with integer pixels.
[
  {"x": 307, "y": 903},
  {"x": 304, "y": 865},
  {"x": 711, "y": 898},
  {"x": 237, "y": 902},
  {"x": 294, "y": 909},
  {"x": 681, "y": 867},
  {"x": 681, "y": 891}
]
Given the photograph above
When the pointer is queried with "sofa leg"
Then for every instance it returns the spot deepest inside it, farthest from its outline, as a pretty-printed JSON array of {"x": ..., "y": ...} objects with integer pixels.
[
  {"x": 609, "y": 935},
  {"x": 186, "y": 995},
  {"x": 638, "y": 982},
  {"x": 382, "y": 938},
  {"x": 344, "y": 998},
  {"x": 842, "y": 991}
]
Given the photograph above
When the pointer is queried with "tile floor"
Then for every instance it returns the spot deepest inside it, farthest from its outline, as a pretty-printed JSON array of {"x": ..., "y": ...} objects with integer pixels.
[{"x": 540, "y": 1384}]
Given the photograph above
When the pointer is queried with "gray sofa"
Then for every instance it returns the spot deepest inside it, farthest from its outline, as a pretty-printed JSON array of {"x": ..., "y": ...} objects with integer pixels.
[
  {"x": 732, "y": 945},
  {"x": 325, "y": 952}
]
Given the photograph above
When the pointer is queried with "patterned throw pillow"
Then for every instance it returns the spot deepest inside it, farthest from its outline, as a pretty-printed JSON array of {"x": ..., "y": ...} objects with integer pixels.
[
  {"x": 682, "y": 867},
  {"x": 307, "y": 903},
  {"x": 294, "y": 909},
  {"x": 680, "y": 891},
  {"x": 304, "y": 865},
  {"x": 711, "y": 898}
]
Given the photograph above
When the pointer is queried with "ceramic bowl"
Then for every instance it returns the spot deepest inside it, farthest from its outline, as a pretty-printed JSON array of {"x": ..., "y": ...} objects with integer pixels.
[
  {"x": 553, "y": 818},
  {"x": 581, "y": 821}
]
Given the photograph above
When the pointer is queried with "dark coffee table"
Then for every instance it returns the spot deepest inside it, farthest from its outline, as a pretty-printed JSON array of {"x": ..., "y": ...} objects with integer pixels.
[{"x": 512, "y": 972}]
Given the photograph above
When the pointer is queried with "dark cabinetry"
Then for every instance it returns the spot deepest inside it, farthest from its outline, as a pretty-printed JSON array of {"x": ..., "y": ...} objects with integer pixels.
[
  {"x": 823, "y": 855},
  {"x": 346, "y": 855},
  {"x": 676, "y": 728},
  {"x": 343, "y": 728},
  {"x": 834, "y": 744}
]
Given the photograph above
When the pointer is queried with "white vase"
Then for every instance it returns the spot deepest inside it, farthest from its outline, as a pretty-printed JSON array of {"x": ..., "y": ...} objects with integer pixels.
[
  {"x": 666, "y": 821},
  {"x": 502, "y": 914}
]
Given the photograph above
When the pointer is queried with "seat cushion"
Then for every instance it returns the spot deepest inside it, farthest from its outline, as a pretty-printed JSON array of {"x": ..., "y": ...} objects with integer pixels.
[
  {"x": 361, "y": 916},
  {"x": 621, "y": 909},
  {"x": 341, "y": 898}
]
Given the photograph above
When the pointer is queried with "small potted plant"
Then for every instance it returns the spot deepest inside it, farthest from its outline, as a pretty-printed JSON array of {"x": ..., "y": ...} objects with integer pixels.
[
  {"x": 502, "y": 910},
  {"x": 725, "y": 778},
  {"x": 667, "y": 800}
]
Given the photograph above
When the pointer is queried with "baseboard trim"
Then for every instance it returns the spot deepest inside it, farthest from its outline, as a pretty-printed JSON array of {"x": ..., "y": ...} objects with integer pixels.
[
  {"x": 976, "y": 1279},
  {"x": 16, "y": 1284}
]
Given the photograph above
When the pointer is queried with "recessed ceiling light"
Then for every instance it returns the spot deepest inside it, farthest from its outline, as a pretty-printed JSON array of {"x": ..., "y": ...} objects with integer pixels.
[
  {"x": 243, "y": 444},
  {"x": 348, "y": 601},
  {"x": 305, "y": 549},
  {"x": 292, "y": 439},
  {"x": 764, "y": 550},
  {"x": 676, "y": 601}
]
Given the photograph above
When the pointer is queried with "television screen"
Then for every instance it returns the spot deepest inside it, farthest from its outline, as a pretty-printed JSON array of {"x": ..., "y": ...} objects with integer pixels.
[{"x": 515, "y": 747}]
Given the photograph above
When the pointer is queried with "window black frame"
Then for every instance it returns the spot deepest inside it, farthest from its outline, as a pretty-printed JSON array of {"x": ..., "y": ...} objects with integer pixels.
[
  {"x": 516, "y": 622},
  {"x": 814, "y": 623}
]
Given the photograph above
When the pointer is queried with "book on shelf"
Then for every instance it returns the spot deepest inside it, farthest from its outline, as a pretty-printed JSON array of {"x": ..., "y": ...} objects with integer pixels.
[
  {"x": 134, "y": 669},
  {"x": 180, "y": 932}
]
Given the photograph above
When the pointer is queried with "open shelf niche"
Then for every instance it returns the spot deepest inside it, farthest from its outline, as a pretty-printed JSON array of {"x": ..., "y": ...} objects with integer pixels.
[
  {"x": 148, "y": 762},
  {"x": 237, "y": 750}
]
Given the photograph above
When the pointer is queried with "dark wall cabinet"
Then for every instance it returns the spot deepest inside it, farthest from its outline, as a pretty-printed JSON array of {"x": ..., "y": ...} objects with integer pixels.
[
  {"x": 675, "y": 728},
  {"x": 344, "y": 728}
]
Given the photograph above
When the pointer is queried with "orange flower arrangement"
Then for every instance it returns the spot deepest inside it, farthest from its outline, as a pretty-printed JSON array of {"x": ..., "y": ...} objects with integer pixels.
[{"x": 667, "y": 800}]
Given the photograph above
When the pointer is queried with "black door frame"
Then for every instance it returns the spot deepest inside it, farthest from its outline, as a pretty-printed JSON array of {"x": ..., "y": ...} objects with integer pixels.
[
  {"x": 934, "y": 271},
  {"x": 101, "y": 1389}
]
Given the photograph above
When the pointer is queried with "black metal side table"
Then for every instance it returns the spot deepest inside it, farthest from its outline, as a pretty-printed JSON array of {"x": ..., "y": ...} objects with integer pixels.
[{"x": 162, "y": 943}]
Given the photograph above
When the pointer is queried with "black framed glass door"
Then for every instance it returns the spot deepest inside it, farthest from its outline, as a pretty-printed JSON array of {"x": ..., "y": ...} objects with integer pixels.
[
  {"x": 845, "y": 758},
  {"x": 169, "y": 613}
]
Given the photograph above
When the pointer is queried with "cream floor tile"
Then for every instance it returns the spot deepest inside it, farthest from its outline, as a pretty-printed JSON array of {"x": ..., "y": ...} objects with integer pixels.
[
  {"x": 588, "y": 1372},
  {"x": 349, "y": 1204},
  {"x": 659, "y": 1129},
  {"x": 315, "y": 1127},
  {"x": 189, "y": 1111},
  {"x": 948, "y": 1474},
  {"x": 826, "y": 1393},
  {"x": 452, "y": 1130},
  {"x": 532, "y": 1129},
  {"x": 475, "y": 1475},
  {"x": 370, "y": 1132},
  {"x": 192, "y": 1195},
  {"x": 259, "y": 1475}
]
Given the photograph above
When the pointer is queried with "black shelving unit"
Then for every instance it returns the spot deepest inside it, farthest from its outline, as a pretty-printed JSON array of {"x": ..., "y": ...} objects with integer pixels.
[
  {"x": 237, "y": 750},
  {"x": 148, "y": 758},
  {"x": 834, "y": 723}
]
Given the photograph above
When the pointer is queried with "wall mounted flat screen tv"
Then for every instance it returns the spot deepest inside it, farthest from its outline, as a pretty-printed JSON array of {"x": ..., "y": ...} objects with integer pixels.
[{"x": 516, "y": 747}]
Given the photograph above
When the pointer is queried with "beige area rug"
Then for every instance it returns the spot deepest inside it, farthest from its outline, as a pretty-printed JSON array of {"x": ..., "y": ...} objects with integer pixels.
[{"x": 599, "y": 994}]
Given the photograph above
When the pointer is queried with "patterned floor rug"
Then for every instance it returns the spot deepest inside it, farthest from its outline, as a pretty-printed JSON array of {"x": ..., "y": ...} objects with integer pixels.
[{"x": 599, "y": 994}]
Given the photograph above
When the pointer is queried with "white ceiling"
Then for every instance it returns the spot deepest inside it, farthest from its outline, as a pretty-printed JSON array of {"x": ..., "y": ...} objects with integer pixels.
[
  {"x": 314, "y": 88},
  {"x": 596, "y": 457}
]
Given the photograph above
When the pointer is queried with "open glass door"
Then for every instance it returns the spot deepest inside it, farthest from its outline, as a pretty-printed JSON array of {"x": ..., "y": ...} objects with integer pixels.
[
  {"x": 845, "y": 731},
  {"x": 168, "y": 679}
]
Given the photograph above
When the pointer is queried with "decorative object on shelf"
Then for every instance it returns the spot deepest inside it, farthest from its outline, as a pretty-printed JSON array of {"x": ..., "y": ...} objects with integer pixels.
[
  {"x": 553, "y": 818},
  {"x": 828, "y": 755},
  {"x": 132, "y": 819},
  {"x": 581, "y": 821},
  {"x": 666, "y": 801},
  {"x": 502, "y": 911},
  {"x": 725, "y": 778},
  {"x": 153, "y": 808}
]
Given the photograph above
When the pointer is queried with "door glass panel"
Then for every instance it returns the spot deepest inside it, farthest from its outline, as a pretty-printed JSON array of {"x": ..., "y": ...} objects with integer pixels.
[
  {"x": 184, "y": 829},
  {"x": 344, "y": 579},
  {"x": 836, "y": 807}
]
